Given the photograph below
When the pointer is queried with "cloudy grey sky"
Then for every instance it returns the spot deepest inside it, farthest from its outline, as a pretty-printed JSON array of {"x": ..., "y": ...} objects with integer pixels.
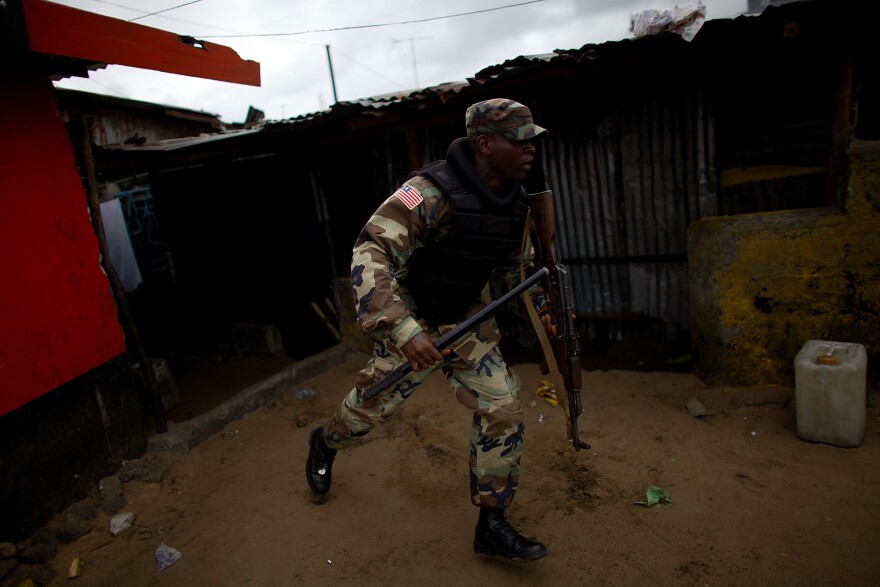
[{"x": 366, "y": 61}]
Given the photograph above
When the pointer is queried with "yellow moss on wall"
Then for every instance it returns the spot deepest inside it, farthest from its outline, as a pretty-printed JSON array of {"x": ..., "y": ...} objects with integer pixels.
[{"x": 761, "y": 285}]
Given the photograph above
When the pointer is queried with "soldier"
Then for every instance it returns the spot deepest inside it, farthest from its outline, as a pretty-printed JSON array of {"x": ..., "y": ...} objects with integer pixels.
[{"x": 420, "y": 265}]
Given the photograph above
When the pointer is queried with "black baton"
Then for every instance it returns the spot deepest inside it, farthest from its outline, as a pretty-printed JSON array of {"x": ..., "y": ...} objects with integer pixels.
[{"x": 457, "y": 332}]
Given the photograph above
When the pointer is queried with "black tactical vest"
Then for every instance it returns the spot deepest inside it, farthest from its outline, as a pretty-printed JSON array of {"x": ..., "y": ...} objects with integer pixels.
[{"x": 446, "y": 277}]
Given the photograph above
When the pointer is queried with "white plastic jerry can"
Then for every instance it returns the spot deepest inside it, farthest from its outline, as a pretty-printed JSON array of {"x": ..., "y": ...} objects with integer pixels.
[{"x": 830, "y": 381}]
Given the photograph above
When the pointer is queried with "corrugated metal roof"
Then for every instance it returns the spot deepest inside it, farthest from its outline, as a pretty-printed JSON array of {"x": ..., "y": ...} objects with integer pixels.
[
  {"x": 380, "y": 102},
  {"x": 183, "y": 143},
  {"x": 132, "y": 104}
]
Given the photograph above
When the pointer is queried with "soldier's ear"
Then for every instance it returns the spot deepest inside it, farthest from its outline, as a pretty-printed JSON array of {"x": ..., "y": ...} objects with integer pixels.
[{"x": 483, "y": 145}]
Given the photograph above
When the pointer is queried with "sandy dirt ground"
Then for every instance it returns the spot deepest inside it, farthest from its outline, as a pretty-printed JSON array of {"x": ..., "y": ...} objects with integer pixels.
[{"x": 751, "y": 504}]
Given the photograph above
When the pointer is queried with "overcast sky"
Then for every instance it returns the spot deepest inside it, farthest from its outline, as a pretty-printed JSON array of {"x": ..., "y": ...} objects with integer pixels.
[{"x": 366, "y": 61}]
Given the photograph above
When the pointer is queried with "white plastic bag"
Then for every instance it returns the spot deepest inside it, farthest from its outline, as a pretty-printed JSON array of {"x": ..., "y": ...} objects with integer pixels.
[
  {"x": 166, "y": 556},
  {"x": 683, "y": 21},
  {"x": 121, "y": 522}
]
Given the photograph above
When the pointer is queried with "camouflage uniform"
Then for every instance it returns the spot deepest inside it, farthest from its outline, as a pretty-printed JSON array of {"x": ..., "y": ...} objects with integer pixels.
[{"x": 476, "y": 372}]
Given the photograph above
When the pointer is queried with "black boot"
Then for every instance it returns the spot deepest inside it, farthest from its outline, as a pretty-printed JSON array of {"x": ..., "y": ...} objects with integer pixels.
[
  {"x": 319, "y": 465},
  {"x": 495, "y": 535}
]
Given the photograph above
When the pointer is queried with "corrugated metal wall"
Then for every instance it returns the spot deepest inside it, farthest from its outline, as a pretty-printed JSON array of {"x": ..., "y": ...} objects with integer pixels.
[{"x": 625, "y": 196}]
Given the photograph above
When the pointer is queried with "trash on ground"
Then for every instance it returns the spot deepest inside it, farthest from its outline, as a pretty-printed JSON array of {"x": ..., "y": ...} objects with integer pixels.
[
  {"x": 680, "y": 360},
  {"x": 547, "y": 391},
  {"x": 121, "y": 522},
  {"x": 696, "y": 409},
  {"x": 654, "y": 496},
  {"x": 75, "y": 569},
  {"x": 166, "y": 556},
  {"x": 304, "y": 393}
]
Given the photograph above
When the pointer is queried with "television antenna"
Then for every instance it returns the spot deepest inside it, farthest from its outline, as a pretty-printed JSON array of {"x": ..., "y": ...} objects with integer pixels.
[{"x": 412, "y": 50}]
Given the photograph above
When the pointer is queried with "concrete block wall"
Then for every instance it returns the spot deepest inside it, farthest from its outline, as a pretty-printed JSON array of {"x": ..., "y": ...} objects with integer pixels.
[{"x": 761, "y": 285}]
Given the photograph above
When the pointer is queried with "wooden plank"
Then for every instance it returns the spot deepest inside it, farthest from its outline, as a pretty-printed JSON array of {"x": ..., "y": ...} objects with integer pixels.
[{"x": 738, "y": 176}]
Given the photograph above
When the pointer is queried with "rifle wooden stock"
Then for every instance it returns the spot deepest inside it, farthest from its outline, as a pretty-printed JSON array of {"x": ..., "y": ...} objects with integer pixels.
[
  {"x": 565, "y": 345},
  {"x": 456, "y": 333}
]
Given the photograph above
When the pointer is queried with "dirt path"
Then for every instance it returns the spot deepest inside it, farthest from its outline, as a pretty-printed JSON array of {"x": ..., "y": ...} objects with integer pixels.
[{"x": 751, "y": 503}]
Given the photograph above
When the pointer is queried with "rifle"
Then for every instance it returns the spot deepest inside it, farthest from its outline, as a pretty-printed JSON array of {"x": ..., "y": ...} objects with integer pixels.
[
  {"x": 565, "y": 347},
  {"x": 456, "y": 333}
]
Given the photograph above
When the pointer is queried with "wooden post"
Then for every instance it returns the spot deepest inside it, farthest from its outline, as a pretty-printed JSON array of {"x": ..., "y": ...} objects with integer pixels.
[
  {"x": 133, "y": 338},
  {"x": 840, "y": 129},
  {"x": 412, "y": 149}
]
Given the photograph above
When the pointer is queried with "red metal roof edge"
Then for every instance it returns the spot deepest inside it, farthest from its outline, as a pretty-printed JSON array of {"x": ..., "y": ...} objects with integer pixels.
[{"x": 62, "y": 31}]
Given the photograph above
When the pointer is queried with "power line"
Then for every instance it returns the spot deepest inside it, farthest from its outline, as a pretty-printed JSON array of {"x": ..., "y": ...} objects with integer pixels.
[
  {"x": 368, "y": 26},
  {"x": 165, "y": 10},
  {"x": 146, "y": 13},
  {"x": 114, "y": 90},
  {"x": 185, "y": 21},
  {"x": 370, "y": 69}
]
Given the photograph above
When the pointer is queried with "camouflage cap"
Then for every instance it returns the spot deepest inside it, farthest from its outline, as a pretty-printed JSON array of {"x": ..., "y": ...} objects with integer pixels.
[{"x": 502, "y": 116}]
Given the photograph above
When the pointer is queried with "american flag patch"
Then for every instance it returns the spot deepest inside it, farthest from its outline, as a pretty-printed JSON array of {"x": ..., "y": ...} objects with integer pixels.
[{"x": 410, "y": 196}]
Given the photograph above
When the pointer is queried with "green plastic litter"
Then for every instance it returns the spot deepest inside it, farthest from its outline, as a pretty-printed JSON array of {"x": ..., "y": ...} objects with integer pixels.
[{"x": 654, "y": 496}]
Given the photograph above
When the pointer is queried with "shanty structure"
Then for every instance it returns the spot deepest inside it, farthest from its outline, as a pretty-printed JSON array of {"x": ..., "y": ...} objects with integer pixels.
[
  {"x": 648, "y": 137},
  {"x": 69, "y": 406}
]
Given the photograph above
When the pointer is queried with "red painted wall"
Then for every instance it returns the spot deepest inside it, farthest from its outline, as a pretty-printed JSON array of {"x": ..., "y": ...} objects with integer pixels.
[{"x": 57, "y": 315}]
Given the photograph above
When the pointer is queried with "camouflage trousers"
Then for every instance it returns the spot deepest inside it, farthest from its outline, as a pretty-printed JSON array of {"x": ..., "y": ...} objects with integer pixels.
[{"x": 487, "y": 387}]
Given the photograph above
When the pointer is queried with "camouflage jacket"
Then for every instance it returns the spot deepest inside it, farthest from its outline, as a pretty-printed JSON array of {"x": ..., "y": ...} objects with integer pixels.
[{"x": 402, "y": 224}]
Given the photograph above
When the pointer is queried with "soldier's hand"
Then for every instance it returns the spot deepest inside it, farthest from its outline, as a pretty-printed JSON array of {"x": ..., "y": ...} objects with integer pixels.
[
  {"x": 549, "y": 325},
  {"x": 421, "y": 352}
]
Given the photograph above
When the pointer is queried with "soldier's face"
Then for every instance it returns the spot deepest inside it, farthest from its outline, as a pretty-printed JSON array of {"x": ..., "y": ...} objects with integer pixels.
[{"x": 512, "y": 160}]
